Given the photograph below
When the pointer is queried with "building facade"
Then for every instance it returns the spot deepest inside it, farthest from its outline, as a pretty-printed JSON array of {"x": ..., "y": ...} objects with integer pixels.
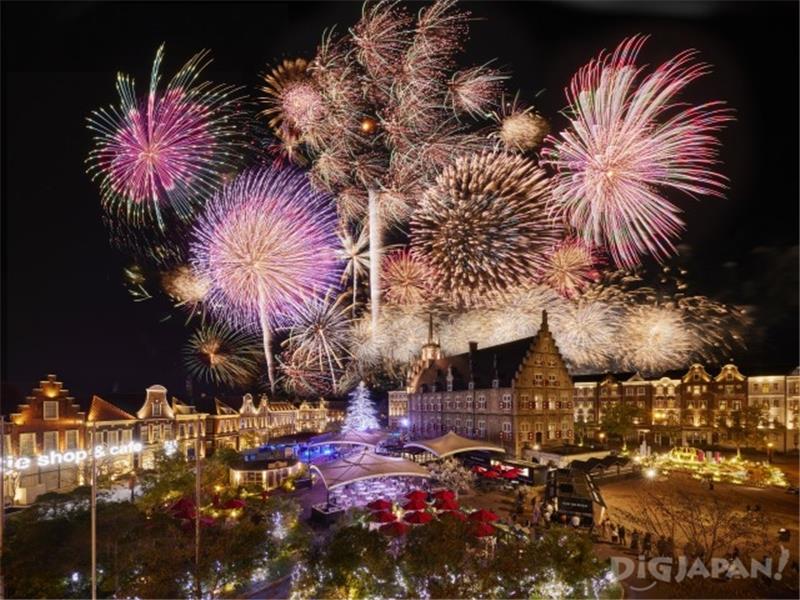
[
  {"x": 517, "y": 395},
  {"x": 50, "y": 439}
]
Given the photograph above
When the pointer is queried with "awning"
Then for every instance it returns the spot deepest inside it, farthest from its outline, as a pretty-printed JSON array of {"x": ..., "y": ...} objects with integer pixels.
[
  {"x": 369, "y": 439},
  {"x": 366, "y": 465},
  {"x": 451, "y": 443}
]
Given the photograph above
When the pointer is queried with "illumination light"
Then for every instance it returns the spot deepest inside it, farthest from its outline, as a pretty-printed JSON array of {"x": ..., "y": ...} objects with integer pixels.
[{"x": 650, "y": 473}]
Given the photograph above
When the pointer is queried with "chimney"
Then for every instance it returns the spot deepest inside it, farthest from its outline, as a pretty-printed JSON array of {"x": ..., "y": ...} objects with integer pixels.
[
  {"x": 473, "y": 348},
  {"x": 544, "y": 319}
]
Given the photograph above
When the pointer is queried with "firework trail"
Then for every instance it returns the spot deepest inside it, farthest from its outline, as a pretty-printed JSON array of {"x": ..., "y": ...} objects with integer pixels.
[
  {"x": 217, "y": 354},
  {"x": 484, "y": 226},
  {"x": 629, "y": 141},
  {"x": 169, "y": 151},
  {"x": 267, "y": 244}
]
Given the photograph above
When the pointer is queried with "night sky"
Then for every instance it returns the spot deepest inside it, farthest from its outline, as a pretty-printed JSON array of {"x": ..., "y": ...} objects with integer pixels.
[{"x": 65, "y": 309}]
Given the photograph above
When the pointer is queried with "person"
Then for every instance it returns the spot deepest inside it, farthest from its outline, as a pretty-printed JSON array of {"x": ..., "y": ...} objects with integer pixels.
[
  {"x": 622, "y": 532},
  {"x": 563, "y": 518},
  {"x": 614, "y": 533},
  {"x": 576, "y": 521},
  {"x": 647, "y": 545},
  {"x": 635, "y": 541}
]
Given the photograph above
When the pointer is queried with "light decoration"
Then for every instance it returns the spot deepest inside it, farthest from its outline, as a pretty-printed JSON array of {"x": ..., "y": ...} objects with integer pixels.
[
  {"x": 360, "y": 411},
  {"x": 706, "y": 466},
  {"x": 267, "y": 244},
  {"x": 170, "y": 150},
  {"x": 628, "y": 143}
]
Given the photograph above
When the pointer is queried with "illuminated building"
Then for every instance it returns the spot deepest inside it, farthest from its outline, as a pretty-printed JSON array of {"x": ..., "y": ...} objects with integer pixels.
[
  {"x": 48, "y": 440},
  {"x": 517, "y": 395}
]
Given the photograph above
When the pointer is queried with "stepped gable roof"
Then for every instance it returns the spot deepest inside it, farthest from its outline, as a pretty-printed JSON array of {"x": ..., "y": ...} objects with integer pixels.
[
  {"x": 484, "y": 365},
  {"x": 102, "y": 410}
]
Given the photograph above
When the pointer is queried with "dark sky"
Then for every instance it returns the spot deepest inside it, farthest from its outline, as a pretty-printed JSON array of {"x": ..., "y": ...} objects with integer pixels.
[{"x": 64, "y": 308}]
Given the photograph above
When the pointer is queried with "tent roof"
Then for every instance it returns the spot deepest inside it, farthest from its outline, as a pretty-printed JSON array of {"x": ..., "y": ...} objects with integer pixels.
[
  {"x": 451, "y": 443},
  {"x": 369, "y": 439},
  {"x": 366, "y": 465}
]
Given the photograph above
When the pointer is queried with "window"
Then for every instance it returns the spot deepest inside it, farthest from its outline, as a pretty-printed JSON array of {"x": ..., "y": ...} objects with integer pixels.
[
  {"x": 481, "y": 403},
  {"x": 481, "y": 428},
  {"x": 7, "y": 445},
  {"x": 737, "y": 405},
  {"x": 157, "y": 408},
  {"x": 551, "y": 431},
  {"x": 113, "y": 438},
  {"x": 640, "y": 391},
  {"x": 50, "y": 441},
  {"x": 72, "y": 439},
  {"x": 506, "y": 427},
  {"x": 127, "y": 436},
  {"x": 506, "y": 402},
  {"x": 776, "y": 403},
  {"x": 50, "y": 409},
  {"x": 629, "y": 391},
  {"x": 525, "y": 426},
  {"x": 27, "y": 444}
]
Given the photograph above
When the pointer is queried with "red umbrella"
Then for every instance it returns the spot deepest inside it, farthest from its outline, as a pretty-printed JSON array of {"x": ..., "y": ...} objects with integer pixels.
[
  {"x": 396, "y": 528},
  {"x": 483, "y": 530},
  {"x": 383, "y": 516},
  {"x": 418, "y": 517},
  {"x": 234, "y": 503},
  {"x": 446, "y": 504},
  {"x": 512, "y": 473},
  {"x": 483, "y": 516},
  {"x": 455, "y": 514},
  {"x": 415, "y": 504},
  {"x": 442, "y": 494},
  {"x": 491, "y": 474},
  {"x": 478, "y": 469},
  {"x": 417, "y": 495},
  {"x": 379, "y": 505}
]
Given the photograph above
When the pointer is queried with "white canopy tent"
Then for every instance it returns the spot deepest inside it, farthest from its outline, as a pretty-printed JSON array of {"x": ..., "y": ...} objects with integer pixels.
[
  {"x": 366, "y": 465},
  {"x": 369, "y": 439},
  {"x": 451, "y": 443}
]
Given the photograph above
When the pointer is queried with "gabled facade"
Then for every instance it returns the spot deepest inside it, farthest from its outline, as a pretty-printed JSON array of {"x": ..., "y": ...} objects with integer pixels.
[{"x": 518, "y": 395}]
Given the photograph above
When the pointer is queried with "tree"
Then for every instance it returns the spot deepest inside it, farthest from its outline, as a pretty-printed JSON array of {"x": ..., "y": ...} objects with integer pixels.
[
  {"x": 360, "y": 411},
  {"x": 621, "y": 419},
  {"x": 452, "y": 474},
  {"x": 743, "y": 425},
  {"x": 352, "y": 562}
]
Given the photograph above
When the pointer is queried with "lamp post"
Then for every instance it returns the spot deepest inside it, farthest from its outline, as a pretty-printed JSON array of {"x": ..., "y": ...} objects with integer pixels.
[
  {"x": 94, "y": 511},
  {"x": 769, "y": 452},
  {"x": 198, "y": 589}
]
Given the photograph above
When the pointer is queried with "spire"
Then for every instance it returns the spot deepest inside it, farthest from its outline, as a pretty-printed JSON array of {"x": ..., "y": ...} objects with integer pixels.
[{"x": 544, "y": 319}]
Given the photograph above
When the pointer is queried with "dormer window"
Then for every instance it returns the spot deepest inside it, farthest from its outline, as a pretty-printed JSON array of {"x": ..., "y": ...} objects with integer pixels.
[
  {"x": 450, "y": 384},
  {"x": 157, "y": 408},
  {"x": 495, "y": 383},
  {"x": 471, "y": 385}
]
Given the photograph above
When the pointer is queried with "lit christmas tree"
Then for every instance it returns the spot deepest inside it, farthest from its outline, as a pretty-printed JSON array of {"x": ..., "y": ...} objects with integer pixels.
[{"x": 360, "y": 411}]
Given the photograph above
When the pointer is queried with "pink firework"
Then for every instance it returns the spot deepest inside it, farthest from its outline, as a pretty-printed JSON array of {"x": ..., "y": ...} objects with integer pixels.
[
  {"x": 570, "y": 267},
  {"x": 169, "y": 150},
  {"x": 266, "y": 243},
  {"x": 628, "y": 140}
]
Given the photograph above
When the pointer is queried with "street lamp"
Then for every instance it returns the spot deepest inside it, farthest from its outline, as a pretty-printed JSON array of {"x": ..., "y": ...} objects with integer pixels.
[{"x": 769, "y": 452}]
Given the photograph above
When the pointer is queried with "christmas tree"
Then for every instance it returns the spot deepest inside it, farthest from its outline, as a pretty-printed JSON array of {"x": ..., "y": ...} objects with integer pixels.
[{"x": 360, "y": 411}]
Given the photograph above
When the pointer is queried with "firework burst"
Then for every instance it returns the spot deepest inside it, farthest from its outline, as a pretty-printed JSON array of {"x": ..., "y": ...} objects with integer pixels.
[
  {"x": 484, "y": 226},
  {"x": 267, "y": 244},
  {"x": 169, "y": 151},
  {"x": 570, "y": 267},
  {"x": 521, "y": 129},
  {"x": 319, "y": 336},
  {"x": 587, "y": 333},
  {"x": 294, "y": 104},
  {"x": 186, "y": 287},
  {"x": 656, "y": 338},
  {"x": 475, "y": 91},
  {"x": 406, "y": 279},
  {"x": 353, "y": 251},
  {"x": 223, "y": 356},
  {"x": 628, "y": 142}
]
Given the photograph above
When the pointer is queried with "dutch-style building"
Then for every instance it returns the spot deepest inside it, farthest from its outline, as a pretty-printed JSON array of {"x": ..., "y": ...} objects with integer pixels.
[{"x": 518, "y": 395}]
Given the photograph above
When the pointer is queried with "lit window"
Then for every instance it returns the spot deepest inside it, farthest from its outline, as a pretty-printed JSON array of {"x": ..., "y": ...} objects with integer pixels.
[
  {"x": 50, "y": 409},
  {"x": 157, "y": 408},
  {"x": 72, "y": 439},
  {"x": 27, "y": 444},
  {"x": 50, "y": 441}
]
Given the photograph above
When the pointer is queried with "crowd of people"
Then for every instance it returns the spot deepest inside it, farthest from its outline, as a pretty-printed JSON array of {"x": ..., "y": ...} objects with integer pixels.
[{"x": 639, "y": 542}]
